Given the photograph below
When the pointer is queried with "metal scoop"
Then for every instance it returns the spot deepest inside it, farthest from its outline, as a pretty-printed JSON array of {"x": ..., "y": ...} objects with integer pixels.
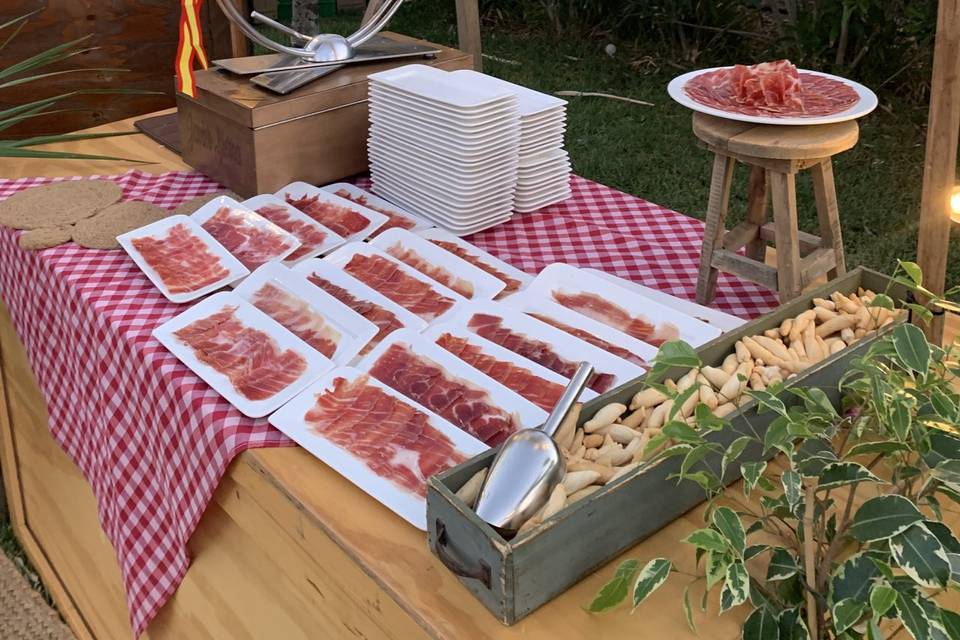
[{"x": 528, "y": 466}]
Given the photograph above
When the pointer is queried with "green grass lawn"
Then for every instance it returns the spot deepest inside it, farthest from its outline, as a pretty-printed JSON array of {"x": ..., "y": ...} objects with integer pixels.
[{"x": 651, "y": 152}]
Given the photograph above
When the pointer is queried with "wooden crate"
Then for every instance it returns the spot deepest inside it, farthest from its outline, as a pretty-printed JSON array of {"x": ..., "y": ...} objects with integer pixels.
[
  {"x": 254, "y": 141},
  {"x": 514, "y": 577}
]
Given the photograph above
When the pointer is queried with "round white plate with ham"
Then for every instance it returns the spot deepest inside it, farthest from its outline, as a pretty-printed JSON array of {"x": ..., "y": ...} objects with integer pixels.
[{"x": 772, "y": 93}]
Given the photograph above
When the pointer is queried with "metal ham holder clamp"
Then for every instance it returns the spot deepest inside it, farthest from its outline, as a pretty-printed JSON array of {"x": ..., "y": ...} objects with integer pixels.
[{"x": 292, "y": 67}]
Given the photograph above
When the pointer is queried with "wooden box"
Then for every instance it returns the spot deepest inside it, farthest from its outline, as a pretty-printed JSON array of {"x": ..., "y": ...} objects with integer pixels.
[
  {"x": 254, "y": 141},
  {"x": 514, "y": 577}
]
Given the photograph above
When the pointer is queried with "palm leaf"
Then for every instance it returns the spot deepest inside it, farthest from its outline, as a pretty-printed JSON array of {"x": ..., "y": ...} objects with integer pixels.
[
  {"x": 54, "y": 54},
  {"x": 63, "y": 137},
  {"x": 12, "y": 83},
  {"x": 13, "y": 35},
  {"x": 17, "y": 152},
  {"x": 6, "y": 124},
  {"x": 20, "y": 18}
]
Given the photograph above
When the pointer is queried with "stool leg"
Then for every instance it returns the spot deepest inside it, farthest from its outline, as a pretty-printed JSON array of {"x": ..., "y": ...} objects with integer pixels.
[
  {"x": 757, "y": 211},
  {"x": 783, "y": 188},
  {"x": 828, "y": 212},
  {"x": 713, "y": 233}
]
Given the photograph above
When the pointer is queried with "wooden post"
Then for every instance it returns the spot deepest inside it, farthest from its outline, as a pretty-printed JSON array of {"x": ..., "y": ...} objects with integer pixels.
[
  {"x": 468, "y": 30},
  {"x": 940, "y": 164}
]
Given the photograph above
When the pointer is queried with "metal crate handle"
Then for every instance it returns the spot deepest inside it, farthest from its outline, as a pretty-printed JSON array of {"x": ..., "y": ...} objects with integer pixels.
[{"x": 479, "y": 572}]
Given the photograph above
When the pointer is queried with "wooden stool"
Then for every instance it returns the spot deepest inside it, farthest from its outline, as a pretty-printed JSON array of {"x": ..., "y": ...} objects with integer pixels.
[{"x": 775, "y": 154}]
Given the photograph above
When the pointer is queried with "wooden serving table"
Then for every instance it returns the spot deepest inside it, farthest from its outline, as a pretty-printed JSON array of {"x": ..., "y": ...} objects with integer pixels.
[{"x": 287, "y": 548}]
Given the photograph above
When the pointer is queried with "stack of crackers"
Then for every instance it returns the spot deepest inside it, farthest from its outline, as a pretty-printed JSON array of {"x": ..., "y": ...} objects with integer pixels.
[{"x": 88, "y": 212}]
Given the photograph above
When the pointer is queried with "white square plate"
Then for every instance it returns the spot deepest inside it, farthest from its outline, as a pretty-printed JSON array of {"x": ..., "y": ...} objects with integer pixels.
[
  {"x": 235, "y": 269},
  {"x": 437, "y": 86},
  {"x": 366, "y": 199},
  {"x": 442, "y": 266},
  {"x": 299, "y": 190},
  {"x": 298, "y": 223},
  {"x": 245, "y": 220},
  {"x": 409, "y": 506},
  {"x": 478, "y": 257},
  {"x": 351, "y": 331},
  {"x": 667, "y": 322},
  {"x": 342, "y": 256},
  {"x": 252, "y": 318}
]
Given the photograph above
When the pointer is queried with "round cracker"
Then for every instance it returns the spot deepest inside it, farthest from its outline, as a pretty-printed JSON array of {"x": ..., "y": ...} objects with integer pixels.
[
  {"x": 57, "y": 204},
  {"x": 101, "y": 231},
  {"x": 45, "y": 237},
  {"x": 190, "y": 206}
]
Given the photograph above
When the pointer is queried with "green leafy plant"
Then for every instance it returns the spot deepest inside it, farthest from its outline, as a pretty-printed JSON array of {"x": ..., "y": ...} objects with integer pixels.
[
  {"x": 26, "y": 71},
  {"x": 837, "y": 530}
]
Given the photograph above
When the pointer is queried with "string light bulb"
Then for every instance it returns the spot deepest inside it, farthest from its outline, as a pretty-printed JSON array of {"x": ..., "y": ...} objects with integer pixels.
[{"x": 955, "y": 204}]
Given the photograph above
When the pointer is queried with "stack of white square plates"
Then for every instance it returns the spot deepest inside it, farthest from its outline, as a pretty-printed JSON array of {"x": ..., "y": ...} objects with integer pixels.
[
  {"x": 444, "y": 147},
  {"x": 543, "y": 175}
]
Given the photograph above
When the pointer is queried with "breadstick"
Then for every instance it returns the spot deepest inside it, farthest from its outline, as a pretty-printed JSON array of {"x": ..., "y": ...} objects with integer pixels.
[
  {"x": 586, "y": 465},
  {"x": 707, "y": 395},
  {"x": 834, "y": 325},
  {"x": 471, "y": 488},
  {"x": 619, "y": 433},
  {"x": 824, "y": 314},
  {"x": 730, "y": 364},
  {"x": 556, "y": 501},
  {"x": 717, "y": 377},
  {"x": 646, "y": 398},
  {"x": 823, "y": 303},
  {"x": 624, "y": 470},
  {"x": 773, "y": 334},
  {"x": 785, "y": 327},
  {"x": 636, "y": 418},
  {"x": 810, "y": 344},
  {"x": 775, "y": 347},
  {"x": 724, "y": 409},
  {"x": 568, "y": 428},
  {"x": 576, "y": 480},
  {"x": 604, "y": 416},
  {"x": 659, "y": 415},
  {"x": 583, "y": 493},
  {"x": 743, "y": 354},
  {"x": 593, "y": 440}
]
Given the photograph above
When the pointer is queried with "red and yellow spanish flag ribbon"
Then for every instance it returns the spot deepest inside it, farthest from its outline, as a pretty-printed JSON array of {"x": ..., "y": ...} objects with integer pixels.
[{"x": 191, "y": 46}]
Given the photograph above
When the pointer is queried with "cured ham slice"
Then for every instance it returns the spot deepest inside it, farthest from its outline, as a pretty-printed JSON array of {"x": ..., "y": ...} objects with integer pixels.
[
  {"x": 543, "y": 393},
  {"x": 253, "y": 361},
  {"x": 387, "y": 322},
  {"x": 593, "y": 306},
  {"x": 491, "y": 328},
  {"x": 309, "y": 236},
  {"x": 394, "y": 218},
  {"x": 443, "y": 276},
  {"x": 773, "y": 89},
  {"x": 343, "y": 221},
  {"x": 596, "y": 341},
  {"x": 512, "y": 283},
  {"x": 388, "y": 278},
  {"x": 182, "y": 260},
  {"x": 462, "y": 403},
  {"x": 252, "y": 244},
  {"x": 297, "y": 316},
  {"x": 393, "y": 439}
]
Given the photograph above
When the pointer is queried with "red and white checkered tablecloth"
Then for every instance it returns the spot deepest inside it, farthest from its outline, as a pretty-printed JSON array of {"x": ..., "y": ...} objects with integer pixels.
[{"x": 153, "y": 440}]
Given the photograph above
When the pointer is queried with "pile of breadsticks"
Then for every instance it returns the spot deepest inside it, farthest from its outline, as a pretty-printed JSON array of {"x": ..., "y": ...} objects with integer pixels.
[{"x": 614, "y": 441}]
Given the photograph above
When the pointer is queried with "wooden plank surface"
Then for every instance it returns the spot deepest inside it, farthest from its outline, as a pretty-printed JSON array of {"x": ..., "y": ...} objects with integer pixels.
[
  {"x": 776, "y": 142},
  {"x": 299, "y": 521},
  {"x": 940, "y": 162},
  {"x": 137, "y": 35}
]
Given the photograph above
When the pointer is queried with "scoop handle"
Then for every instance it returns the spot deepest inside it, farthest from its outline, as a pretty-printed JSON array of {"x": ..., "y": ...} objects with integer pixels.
[{"x": 569, "y": 397}]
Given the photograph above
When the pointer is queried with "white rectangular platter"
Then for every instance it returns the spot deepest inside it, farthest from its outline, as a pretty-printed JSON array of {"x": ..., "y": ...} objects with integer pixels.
[
  {"x": 250, "y": 317},
  {"x": 351, "y": 331},
  {"x": 234, "y": 268},
  {"x": 572, "y": 350},
  {"x": 723, "y": 321},
  {"x": 342, "y": 256},
  {"x": 300, "y": 190},
  {"x": 470, "y": 281},
  {"x": 299, "y": 224},
  {"x": 379, "y": 205},
  {"x": 487, "y": 348},
  {"x": 408, "y": 505},
  {"x": 668, "y": 323},
  {"x": 528, "y": 415},
  {"x": 503, "y": 271},
  {"x": 620, "y": 344},
  {"x": 245, "y": 220}
]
